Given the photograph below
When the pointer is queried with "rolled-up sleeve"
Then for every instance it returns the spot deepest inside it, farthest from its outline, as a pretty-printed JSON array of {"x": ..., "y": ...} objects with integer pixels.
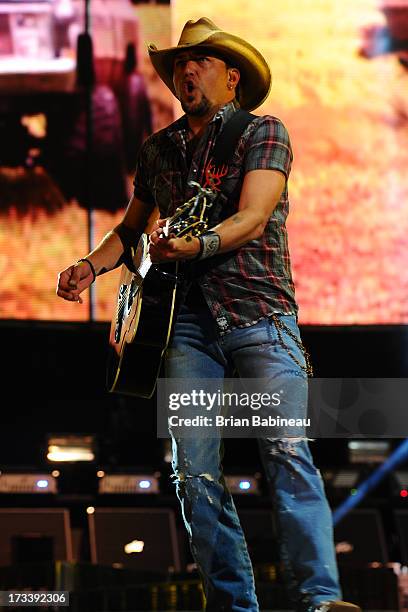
[{"x": 269, "y": 147}]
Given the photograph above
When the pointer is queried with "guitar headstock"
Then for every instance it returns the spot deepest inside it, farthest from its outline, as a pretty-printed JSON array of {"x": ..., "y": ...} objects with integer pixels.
[{"x": 192, "y": 216}]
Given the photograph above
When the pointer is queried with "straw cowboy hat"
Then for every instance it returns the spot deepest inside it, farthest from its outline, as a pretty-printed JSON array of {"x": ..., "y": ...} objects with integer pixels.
[{"x": 255, "y": 81}]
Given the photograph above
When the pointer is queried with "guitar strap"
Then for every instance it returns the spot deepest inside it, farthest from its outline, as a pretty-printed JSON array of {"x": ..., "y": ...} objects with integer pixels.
[
  {"x": 228, "y": 139},
  {"x": 217, "y": 167},
  {"x": 221, "y": 156},
  {"x": 224, "y": 148}
]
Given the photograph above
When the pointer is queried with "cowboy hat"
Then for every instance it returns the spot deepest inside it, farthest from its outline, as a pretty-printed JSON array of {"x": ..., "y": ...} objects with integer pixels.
[{"x": 255, "y": 81}]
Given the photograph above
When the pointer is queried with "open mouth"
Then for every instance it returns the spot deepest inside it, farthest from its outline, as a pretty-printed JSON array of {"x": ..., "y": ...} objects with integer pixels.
[{"x": 188, "y": 87}]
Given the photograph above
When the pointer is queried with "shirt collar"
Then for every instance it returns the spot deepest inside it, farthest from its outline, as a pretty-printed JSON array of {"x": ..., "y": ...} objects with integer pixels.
[
  {"x": 221, "y": 117},
  {"x": 225, "y": 112}
]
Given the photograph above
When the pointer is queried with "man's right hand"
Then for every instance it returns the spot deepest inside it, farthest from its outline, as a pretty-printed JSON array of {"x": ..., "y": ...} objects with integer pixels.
[{"x": 73, "y": 280}]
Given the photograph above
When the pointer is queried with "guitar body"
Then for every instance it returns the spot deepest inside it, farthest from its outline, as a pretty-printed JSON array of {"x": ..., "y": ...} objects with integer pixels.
[
  {"x": 144, "y": 312},
  {"x": 140, "y": 329}
]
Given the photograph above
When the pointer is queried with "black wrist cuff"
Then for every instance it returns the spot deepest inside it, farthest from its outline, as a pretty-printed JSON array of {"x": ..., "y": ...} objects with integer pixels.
[{"x": 90, "y": 265}]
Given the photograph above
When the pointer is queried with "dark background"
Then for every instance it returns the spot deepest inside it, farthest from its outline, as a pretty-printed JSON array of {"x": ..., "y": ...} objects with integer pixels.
[{"x": 53, "y": 380}]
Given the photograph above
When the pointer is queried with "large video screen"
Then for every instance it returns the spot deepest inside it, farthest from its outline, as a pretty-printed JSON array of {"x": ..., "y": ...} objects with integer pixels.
[
  {"x": 340, "y": 82},
  {"x": 56, "y": 200}
]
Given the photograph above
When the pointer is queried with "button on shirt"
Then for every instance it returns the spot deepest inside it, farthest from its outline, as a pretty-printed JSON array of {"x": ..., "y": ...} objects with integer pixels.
[{"x": 254, "y": 281}]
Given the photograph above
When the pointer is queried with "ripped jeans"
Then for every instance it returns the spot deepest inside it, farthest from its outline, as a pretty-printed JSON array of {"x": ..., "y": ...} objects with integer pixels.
[{"x": 303, "y": 516}]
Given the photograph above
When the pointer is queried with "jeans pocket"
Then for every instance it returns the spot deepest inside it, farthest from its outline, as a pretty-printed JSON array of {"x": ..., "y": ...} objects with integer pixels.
[{"x": 254, "y": 335}]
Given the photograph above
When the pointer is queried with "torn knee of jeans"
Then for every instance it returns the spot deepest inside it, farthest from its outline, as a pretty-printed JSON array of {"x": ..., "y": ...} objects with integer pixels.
[
  {"x": 194, "y": 485},
  {"x": 284, "y": 445},
  {"x": 182, "y": 477}
]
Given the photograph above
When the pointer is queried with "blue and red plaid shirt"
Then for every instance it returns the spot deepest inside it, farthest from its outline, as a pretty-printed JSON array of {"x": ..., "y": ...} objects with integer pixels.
[{"x": 254, "y": 281}]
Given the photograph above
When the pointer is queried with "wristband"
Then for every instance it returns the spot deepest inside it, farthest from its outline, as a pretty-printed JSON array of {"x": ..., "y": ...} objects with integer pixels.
[
  {"x": 90, "y": 265},
  {"x": 209, "y": 245}
]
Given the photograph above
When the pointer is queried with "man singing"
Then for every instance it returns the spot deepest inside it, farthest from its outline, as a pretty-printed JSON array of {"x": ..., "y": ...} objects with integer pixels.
[{"x": 238, "y": 309}]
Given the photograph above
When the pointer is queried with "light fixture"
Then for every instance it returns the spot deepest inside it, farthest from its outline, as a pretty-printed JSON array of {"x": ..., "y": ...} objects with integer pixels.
[
  {"x": 368, "y": 451},
  {"x": 136, "y": 546},
  {"x": 400, "y": 484},
  {"x": 243, "y": 485},
  {"x": 70, "y": 448},
  {"x": 43, "y": 483},
  {"x": 129, "y": 484},
  {"x": 24, "y": 482},
  {"x": 345, "y": 479},
  {"x": 341, "y": 480},
  {"x": 145, "y": 484}
]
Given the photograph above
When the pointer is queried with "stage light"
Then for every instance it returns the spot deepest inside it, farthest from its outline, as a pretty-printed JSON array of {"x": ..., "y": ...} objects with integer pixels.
[
  {"x": 70, "y": 448},
  {"x": 368, "y": 451},
  {"x": 145, "y": 484},
  {"x": 243, "y": 485},
  {"x": 129, "y": 484},
  {"x": 24, "y": 482},
  {"x": 344, "y": 547},
  {"x": 90, "y": 510},
  {"x": 136, "y": 546},
  {"x": 341, "y": 479},
  {"x": 403, "y": 493},
  {"x": 345, "y": 479},
  {"x": 42, "y": 484},
  {"x": 375, "y": 564}
]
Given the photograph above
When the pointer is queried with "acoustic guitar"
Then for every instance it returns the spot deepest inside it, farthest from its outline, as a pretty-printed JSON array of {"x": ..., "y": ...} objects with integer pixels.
[{"x": 145, "y": 305}]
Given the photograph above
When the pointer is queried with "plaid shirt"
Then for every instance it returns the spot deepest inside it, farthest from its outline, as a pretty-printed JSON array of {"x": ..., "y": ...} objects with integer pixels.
[{"x": 252, "y": 282}]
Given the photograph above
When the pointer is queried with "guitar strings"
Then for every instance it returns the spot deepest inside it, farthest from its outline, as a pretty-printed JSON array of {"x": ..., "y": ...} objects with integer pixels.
[{"x": 125, "y": 295}]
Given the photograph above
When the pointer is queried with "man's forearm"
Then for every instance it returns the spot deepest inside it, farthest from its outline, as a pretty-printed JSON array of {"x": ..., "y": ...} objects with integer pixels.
[
  {"x": 233, "y": 232},
  {"x": 239, "y": 229},
  {"x": 115, "y": 248},
  {"x": 106, "y": 256}
]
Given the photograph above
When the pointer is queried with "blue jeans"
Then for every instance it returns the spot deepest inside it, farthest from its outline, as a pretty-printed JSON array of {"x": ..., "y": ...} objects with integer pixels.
[{"x": 303, "y": 516}]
